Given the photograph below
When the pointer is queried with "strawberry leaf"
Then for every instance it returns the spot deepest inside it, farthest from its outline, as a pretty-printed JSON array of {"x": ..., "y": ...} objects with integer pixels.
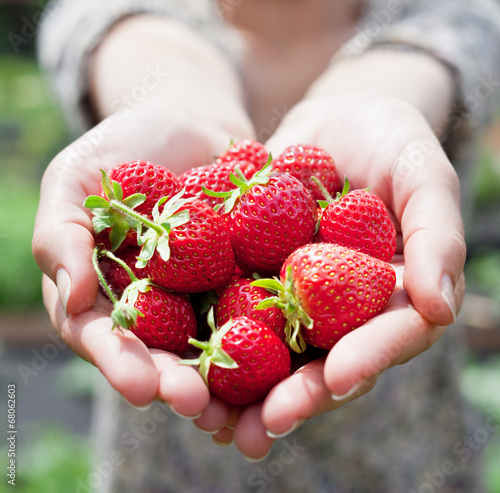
[
  {"x": 163, "y": 248},
  {"x": 95, "y": 202},
  {"x": 134, "y": 200}
]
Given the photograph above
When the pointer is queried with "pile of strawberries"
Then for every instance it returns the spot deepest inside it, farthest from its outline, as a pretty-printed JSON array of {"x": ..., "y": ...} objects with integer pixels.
[{"x": 272, "y": 256}]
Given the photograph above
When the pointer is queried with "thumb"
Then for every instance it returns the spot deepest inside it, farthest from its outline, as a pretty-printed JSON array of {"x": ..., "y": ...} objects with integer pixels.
[{"x": 63, "y": 243}]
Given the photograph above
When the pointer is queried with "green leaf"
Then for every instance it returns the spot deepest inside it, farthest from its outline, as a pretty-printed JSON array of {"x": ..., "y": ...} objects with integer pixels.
[
  {"x": 163, "y": 248},
  {"x": 134, "y": 200},
  {"x": 147, "y": 251},
  {"x": 270, "y": 302},
  {"x": 273, "y": 285},
  {"x": 222, "y": 359},
  {"x": 102, "y": 221},
  {"x": 213, "y": 193},
  {"x": 116, "y": 236},
  {"x": 106, "y": 185},
  {"x": 177, "y": 220},
  {"x": 95, "y": 201},
  {"x": 117, "y": 190}
]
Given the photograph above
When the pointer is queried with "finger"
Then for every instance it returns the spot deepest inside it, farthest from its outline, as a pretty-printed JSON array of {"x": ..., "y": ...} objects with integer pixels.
[
  {"x": 301, "y": 396},
  {"x": 394, "y": 337},
  {"x": 214, "y": 417},
  {"x": 63, "y": 242},
  {"x": 180, "y": 386},
  {"x": 250, "y": 434},
  {"x": 120, "y": 356},
  {"x": 431, "y": 222},
  {"x": 223, "y": 437}
]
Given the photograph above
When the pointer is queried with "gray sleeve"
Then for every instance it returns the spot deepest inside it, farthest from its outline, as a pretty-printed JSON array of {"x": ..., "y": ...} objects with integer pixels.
[
  {"x": 463, "y": 34},
  {"x": 71, "y": 29}
]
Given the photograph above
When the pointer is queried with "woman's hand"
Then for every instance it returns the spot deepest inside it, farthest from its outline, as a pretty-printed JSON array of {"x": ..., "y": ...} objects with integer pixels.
[
  {"x": 387, "y": 145},
  {"x": 63, "y": 243}
]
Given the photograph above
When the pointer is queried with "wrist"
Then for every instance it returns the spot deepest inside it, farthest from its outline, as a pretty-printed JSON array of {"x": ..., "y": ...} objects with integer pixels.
[{"x": 416, "y": 78}]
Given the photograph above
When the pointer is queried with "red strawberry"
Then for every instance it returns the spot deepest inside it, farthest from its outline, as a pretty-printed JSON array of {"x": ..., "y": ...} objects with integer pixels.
[
  {"x": 268, "y": 217},
  {"x": 145, "y": 177},
  {"x": 240, "y": 298},
  {"x": 117, "y": 277},
  {"x": 162, "y": 320},
  {"x": 214, "y": 177},
  {"x": 306, "y": 161},
  {"x": 130, "y": 187},
  {"x": 168, "y": 322},
  {"x": 243, "y": 360},
  {"x": 245, "y": 150},
  {"x": 327, "y": 290},
  {"x": 189, "y": 249},
  {"x": 359, "y": 220}
]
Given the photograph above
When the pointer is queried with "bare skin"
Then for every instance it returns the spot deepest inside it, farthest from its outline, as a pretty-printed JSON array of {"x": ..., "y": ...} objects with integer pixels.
[{"x": 371, "y": 113}]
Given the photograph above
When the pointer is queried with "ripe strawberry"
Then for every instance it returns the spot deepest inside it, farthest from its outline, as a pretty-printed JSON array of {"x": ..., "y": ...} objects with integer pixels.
[
  {"x": 214, "y": 177},
  {"x": 268, "y": 217},
  {"x": 359, "y": 220},
  {"x": 245, "y": 150},
  {"x": 306, "y": 161},
  {"x": 162, "y": 320},
  {"x": 187, "y": 249},
  {"x": 137, "y": 186},
  {"x": 242, "y": 361},
  {"x": 116, "y": 276},
  {"x": 327, "y": 290},
  {"x": 240, "y": 298},
  {"x": 168, "y": 322},
  {"x": 147, "y": 178}
]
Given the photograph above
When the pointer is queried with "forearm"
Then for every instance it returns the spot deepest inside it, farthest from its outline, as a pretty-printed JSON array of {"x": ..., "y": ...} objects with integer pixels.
[
  {"x": 146, "y": 58},
  {"x": 416, "y": 78}
]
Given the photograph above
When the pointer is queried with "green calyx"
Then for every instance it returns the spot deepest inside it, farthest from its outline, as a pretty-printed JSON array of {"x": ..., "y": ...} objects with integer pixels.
[
  {"x": 113, "y": 211},
  {"x": 124, "y": 313},
  {"x": 118, "y": 213},
  {"x": 286, "y": 300},
  {"x": 212, "y": 352},
  {"x": 156, "y": 236},
  {"x": 242, "y": 185},
  {"x": 328, "y": 198}
]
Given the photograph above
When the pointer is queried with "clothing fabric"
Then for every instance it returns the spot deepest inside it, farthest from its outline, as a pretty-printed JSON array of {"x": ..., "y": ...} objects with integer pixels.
[{"x": 407, "y": 435}]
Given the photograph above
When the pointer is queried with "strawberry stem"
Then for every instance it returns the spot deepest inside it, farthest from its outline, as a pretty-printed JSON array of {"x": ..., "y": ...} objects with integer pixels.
[
  {"x": 120, "y": 206},
  {"x": 127, "y": 269},
  {"x": 100, "y": 275}
]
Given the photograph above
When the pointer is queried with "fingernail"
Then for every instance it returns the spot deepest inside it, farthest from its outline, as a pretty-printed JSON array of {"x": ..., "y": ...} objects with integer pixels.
[
  {"x": 295, "y": 425},
  {"x": 221, "y": 444},
  {"x": 208, "y": 432},
  {"x": 256, "y": 459},
  {"x": 139, "y": 408},
  {"x": 448, "y": 294},
  {"x": 190, "y": 418},
  {"x": 63, "y": 282},
  {"x": 355, "y": 388}
]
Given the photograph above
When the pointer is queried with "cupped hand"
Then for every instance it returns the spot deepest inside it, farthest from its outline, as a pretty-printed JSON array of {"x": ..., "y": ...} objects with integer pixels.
[
  {"x": 63, "y": 245},
  {"x": 384, "y": 144}
]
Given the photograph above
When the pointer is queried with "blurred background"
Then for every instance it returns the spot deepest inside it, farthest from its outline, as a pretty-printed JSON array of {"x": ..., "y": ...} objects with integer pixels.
[{"x": 54, "y": 388}]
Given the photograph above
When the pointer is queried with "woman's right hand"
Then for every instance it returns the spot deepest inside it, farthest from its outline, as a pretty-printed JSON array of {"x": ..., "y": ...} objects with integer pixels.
[{"x": 63, "y": 245}]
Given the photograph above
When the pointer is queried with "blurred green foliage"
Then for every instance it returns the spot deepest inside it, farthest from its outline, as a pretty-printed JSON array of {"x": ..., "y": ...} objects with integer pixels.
[
  {"x": 54, "y": 461},
  {"x": 32, "y": 130}
]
